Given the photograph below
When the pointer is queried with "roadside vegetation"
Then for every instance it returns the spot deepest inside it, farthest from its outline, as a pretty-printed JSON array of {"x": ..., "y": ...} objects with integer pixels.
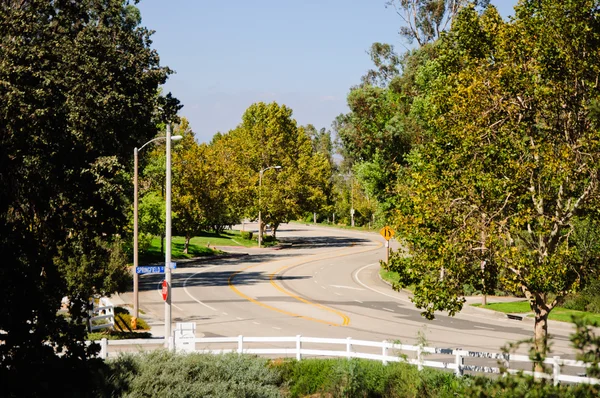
[
  {"x": 522, "y": 307},
  {"x": 161, "y": 373}
]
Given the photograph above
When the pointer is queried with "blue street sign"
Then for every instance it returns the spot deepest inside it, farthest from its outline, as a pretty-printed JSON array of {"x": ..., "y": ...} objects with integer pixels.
[
  {"x": 150, "y": 270},
  {"x": 173, "y": 265}
]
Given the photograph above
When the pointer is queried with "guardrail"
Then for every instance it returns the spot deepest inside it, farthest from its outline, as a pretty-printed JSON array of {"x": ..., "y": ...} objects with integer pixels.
[{"x": 383, "y": 351}]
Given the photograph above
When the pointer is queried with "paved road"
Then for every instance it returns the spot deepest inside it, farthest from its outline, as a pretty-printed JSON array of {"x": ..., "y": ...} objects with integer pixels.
[{"x": 325, "y": 283}]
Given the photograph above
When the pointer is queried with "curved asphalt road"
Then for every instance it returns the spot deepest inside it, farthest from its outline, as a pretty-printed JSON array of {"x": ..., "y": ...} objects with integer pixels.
[{"x": 324, "y": 283}]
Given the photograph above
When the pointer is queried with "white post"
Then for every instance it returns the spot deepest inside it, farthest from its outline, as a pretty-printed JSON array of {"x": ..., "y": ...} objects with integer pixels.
[
  {"x": 240, "y": 348},
  {"x": 556, "y": 370},
  {"x": 349, "y": 347},
  {"x": 168, "y": 238},
  {"x": 298, "y": 347},
  {"x": 459, "y": 361},
  {"x": 384, "y": 352},
  {"x": 104, "y": 348},
  {"x": 419, "y": 357}
]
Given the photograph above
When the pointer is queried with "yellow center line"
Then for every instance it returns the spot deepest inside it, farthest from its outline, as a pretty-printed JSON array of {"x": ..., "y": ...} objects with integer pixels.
[
  {"x": 345, "y": 318},
  {"x": 230, "y": 280}
]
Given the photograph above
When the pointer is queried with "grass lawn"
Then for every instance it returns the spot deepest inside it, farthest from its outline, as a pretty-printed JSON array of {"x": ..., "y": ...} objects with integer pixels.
[
  {"x": 392, "y": 277},
  {"x": 557, "y": 314},
  {"x": 199, "y": 246},
  {"x": 389, "y": 276}
]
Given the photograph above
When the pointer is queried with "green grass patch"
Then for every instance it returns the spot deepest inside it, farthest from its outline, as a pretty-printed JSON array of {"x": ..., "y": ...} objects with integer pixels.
[
  {"x": 557, "y": 314},
  {"x": 389, "y": 276},
  {"x": 512, "y": 307},
  {"x": 200, "y": 246},
  {"x": 393, "y": 278}
]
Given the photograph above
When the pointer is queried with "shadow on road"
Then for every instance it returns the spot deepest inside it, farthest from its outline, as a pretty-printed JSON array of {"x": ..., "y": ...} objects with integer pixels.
[
  {"x": 210, "y": 279},
  {"x": 322, "y": 241}
]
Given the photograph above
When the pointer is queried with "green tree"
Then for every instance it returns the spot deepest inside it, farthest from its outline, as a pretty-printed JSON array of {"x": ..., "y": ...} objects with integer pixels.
[
  {"x": 493, "y": 197},
  {"x": 425, "y": 20},
  {"x": 78, "y": 83},
  {"x": 268, "y": 136}
]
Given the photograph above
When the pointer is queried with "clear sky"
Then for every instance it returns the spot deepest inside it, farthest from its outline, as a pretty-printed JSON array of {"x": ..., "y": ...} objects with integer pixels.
[{"x": 306, "y": 54}]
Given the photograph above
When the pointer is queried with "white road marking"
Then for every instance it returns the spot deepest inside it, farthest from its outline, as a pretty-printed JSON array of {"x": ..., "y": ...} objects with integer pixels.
[
  {"x": 323, "y": 287},
  {"x": 347, "y": 287},
  {"x": 339, "y": 294},
  {"x": 375, "y": 290},
  {"x": 189, "y": 294},
  {"x": 256, "y": 323},
  {"x": 239, "y": 319},
  {"x": 225, "y": 313},
  {"x": 387, "y": 309},
  {"x": 276, "y": 328},
  {"x": 358, "y": 301}
]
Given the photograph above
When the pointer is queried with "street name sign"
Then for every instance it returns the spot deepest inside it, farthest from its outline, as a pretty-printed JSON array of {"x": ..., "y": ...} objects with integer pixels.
[{"x": 150, "y": 269}]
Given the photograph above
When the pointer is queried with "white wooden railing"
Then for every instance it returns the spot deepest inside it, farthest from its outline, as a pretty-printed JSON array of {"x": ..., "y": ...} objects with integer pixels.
[
  {"x": 383, "y": 351},
  {"x": 105, "y": 312}
]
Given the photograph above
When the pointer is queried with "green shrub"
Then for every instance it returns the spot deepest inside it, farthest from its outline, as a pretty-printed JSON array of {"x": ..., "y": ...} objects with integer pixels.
[
  {"x": 246, "y": 235},
  {"x": 162, "y": 373},
  {"x": 116, "y": 335},
  {"x": 268, "y": 239},
  {"x": 123, "y": 320},
  {"x": 306, "y": 377}
]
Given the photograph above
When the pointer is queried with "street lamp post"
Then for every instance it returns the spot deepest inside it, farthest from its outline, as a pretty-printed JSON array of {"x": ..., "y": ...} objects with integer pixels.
[
  {"x": 260, "y": 175},
  {"x": 135, "y": 227},
  {"x": 168, "y": 241}
]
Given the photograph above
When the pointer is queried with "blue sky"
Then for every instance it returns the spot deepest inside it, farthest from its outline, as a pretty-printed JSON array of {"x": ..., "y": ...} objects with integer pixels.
[{"x": 305, "y": 54}]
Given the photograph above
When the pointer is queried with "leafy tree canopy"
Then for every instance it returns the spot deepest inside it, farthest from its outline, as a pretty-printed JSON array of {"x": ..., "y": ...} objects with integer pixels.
[{"x": 78, "y": 82}]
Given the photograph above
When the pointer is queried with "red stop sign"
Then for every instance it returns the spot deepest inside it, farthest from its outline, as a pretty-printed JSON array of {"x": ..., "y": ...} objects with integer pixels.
[{"x": 165, "y": 290}]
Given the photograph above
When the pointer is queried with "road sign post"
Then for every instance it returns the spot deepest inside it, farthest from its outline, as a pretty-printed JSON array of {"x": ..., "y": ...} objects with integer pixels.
[{"x": 387, "y": 234}]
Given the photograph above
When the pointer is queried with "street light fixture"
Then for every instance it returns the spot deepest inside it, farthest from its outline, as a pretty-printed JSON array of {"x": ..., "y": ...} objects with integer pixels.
[
  {"x": 135, "y": 225},
  {"x": 260, "y": 175}
]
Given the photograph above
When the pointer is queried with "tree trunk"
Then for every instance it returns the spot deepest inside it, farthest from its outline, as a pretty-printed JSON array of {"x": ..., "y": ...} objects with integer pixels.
[
  {"x": 538, "y": 305},
  {"x": 274, "y": 230},
  {"x": 187, "y": 244},
  {"x": 541, "y": 335}
]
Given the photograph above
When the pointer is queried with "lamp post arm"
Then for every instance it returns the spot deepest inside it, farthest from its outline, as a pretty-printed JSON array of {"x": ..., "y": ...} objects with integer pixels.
[{"x": 173, "y": 138}]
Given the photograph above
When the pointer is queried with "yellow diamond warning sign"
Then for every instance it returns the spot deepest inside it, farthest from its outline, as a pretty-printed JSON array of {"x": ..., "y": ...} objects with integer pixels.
[{"x": 387, "y": 232}]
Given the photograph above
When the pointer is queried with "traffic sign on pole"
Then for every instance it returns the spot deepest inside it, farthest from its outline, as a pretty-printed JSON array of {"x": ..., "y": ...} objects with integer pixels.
[
  {"x": 165, "y": 290},
  {"x": 387, "y": 232}
]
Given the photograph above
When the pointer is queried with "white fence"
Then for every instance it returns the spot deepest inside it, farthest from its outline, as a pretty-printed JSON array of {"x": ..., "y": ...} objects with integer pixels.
[
  {"x": 105, "y": 313},
  {"x": 296, "y": 347}
]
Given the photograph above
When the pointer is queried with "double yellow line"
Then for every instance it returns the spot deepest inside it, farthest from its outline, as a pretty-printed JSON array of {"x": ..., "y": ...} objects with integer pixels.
[{"x": 272, "y": 277}]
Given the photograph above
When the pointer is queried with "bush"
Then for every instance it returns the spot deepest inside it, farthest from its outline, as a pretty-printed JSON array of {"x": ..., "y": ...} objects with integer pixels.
[
  {"x": 246, "y": 235},
  {"x": 364, "y": 378},
  {"x": 162, "y": 373}
]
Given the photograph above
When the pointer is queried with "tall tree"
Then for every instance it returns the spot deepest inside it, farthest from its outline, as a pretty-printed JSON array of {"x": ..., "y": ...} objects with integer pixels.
[
  {"x": 494, "y": 198},
  {"x": 78, "y": 83},
  {"x": 425, "y": 20},
  {"x": 268, "y": 136}
]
